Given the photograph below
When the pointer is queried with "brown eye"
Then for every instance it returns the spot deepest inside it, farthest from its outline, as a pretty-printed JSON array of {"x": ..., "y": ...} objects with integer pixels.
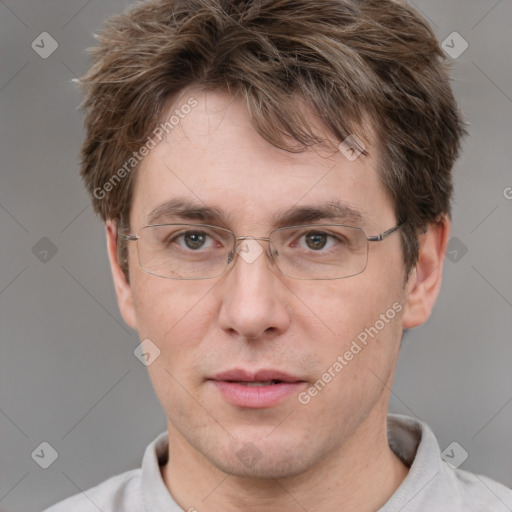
[
  {"x": 194, "y": 239},
  {"x": 316, "y": 240}
]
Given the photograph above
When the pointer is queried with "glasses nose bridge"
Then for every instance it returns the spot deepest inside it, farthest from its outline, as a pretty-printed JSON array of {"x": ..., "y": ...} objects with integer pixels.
[
  {"x": 236, "y": 247},
  {"x": 264, "y": 238},
  {"x": 239, "y": 239}
]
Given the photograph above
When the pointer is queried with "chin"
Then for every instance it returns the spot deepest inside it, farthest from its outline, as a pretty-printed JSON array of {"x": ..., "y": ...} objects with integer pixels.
[{"x": 265, "y": 458}]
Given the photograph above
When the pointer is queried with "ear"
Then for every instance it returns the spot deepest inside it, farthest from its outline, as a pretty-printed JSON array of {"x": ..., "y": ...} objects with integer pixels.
[
  {"x": 425, "y": 280},
  {"x": 121, "y": 285}
]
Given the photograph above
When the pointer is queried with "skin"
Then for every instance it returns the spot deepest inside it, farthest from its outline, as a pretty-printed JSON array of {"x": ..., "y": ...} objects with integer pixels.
[{"x": 331, "y": 454}]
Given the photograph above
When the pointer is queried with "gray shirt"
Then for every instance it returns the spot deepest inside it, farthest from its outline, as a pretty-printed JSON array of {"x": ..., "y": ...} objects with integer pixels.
[{"x": 431, "y": 485}]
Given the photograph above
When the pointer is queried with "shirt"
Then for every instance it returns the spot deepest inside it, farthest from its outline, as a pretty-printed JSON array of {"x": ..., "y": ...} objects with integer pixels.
[{"x": 431, "y": 485}]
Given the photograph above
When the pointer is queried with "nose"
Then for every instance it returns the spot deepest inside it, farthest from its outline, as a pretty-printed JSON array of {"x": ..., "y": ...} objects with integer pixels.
[{"x": 254, "y": 302}]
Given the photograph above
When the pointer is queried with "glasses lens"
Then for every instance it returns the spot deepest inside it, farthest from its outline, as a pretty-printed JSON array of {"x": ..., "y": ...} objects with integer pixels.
[
  {"x": 184, "y": 251},
  {"x": 197, "y": 251},
  {"x": 320, "y": 251}
]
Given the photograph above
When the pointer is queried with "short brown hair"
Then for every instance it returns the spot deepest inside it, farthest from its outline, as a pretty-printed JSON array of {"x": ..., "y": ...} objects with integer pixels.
[{"x": 349, "y": 60}]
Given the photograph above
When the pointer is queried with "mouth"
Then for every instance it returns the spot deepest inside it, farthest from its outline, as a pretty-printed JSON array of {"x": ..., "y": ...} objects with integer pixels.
[
  {"x": 256, "y": 383},
  {"x": 256, "y": 390}
]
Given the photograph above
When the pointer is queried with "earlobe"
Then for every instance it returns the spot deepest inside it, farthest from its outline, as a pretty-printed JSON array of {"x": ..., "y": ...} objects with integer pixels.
[
  {"x": 122, "y": 286},
  {"x": 425, "y": 279}
]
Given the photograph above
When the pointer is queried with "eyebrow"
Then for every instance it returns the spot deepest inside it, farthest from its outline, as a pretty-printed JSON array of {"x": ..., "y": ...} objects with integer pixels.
[
  {"x": 332, "y": 211},
  {"x": 178, "y": 208},
  {"x": 183, "y": 209}
]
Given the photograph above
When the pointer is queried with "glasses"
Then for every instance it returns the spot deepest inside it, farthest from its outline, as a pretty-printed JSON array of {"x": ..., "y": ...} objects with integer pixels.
[{"x": 201, "y": 251}]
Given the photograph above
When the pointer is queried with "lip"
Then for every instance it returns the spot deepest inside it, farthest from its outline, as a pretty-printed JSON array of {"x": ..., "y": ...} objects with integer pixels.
[
  {"x": 228, "y": 383},
  {"x": 253, "y": 376}
]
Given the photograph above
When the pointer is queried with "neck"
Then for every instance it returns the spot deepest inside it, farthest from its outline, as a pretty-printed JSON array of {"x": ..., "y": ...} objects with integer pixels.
[{"x": 359, "y": 476}]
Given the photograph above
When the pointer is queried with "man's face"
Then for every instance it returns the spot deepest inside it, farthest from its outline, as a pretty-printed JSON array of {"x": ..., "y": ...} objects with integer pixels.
[{"x": 255, "y": 321}]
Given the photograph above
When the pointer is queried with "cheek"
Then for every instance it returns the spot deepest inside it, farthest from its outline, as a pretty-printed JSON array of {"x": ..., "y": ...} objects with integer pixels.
[
  {"x": 362, "y": 326},
  {"x": 172, "y": 315},
  {"x": 356, "y": 363},
  {"x": 347, "y": 307}
]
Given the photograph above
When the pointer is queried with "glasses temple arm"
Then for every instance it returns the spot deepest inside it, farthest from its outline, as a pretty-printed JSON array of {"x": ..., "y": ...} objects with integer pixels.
[{"x": 382, "y": 236}]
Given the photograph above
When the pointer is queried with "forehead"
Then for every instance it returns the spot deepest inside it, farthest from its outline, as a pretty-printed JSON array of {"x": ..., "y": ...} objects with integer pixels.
[{"x": 213, "y": 159}]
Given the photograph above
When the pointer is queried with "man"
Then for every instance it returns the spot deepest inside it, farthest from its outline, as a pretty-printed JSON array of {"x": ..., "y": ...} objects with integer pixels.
[{"x": 275, "y": 179}]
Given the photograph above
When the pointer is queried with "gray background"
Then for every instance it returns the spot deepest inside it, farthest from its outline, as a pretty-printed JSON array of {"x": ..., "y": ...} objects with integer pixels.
[{"x": 68, "y": 373}]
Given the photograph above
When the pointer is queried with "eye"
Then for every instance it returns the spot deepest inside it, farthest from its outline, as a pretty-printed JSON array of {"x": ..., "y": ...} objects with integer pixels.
[
  {"x": 316, "y": 240},
  {"x": 193, "y": 240}
]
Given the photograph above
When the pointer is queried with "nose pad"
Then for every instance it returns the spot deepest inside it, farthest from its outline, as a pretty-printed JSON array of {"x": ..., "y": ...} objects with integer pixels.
[{"x": 249, "y": 250}]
